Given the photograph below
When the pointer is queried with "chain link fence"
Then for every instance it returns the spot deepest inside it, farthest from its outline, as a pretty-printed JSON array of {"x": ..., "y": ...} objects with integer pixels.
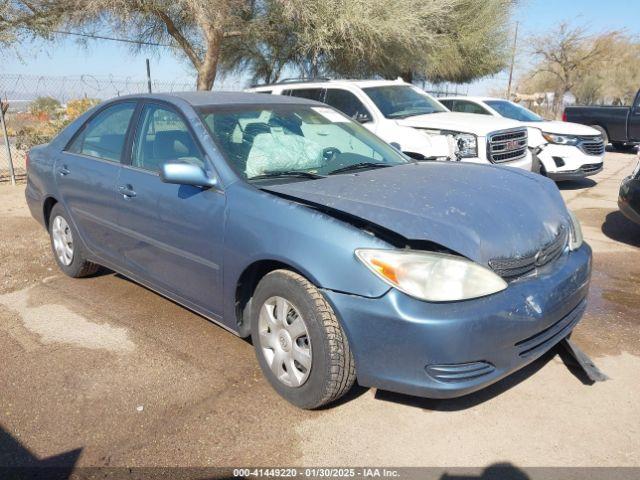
[{"x": 39, "y": 106}]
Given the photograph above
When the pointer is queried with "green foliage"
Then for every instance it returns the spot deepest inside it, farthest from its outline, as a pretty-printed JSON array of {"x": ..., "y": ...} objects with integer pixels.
[
  {"x": 440, "y": 40},
  {"x": 473, "y": 43}
]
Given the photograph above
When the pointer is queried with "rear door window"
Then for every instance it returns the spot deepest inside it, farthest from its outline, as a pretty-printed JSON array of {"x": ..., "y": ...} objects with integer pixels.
[
  {"x": 448, "y": 104},
  {"x": 316, "y": 94},
  {"x": 105, "y": 134},
  {"x": 347, "y": 103},
  {"x": 465, "y": 106}
]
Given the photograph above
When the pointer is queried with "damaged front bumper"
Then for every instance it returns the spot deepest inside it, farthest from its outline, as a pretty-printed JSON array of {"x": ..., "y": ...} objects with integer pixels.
[{"x": 445, "y": 350}]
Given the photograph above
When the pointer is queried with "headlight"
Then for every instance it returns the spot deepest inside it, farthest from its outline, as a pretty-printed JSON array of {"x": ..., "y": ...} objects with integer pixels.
[
  {"x": 466, "y": 145},
  {"x": 560, "y": 139},
  {"x": 463, "y": 145},
  {"x": 435, "y": 277},
  {"x": 576, "y": 238}
]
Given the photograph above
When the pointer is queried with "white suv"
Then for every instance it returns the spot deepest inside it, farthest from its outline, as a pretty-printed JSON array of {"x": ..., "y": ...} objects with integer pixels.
[
  {"x": 416, "y": 123},
  {"x": 566, "y": 151}
]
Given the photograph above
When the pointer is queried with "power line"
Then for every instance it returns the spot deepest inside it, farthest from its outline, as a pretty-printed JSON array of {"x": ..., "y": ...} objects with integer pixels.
[{"x": 114, "y": 39}]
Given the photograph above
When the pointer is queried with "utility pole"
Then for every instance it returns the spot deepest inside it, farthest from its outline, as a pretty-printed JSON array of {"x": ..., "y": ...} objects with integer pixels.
[
  {"x": 148, "y": 76},
  {"x": 513, "y": 61}
]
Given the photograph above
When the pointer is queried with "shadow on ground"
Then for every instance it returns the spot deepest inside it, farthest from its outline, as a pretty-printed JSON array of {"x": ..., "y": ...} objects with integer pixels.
[
  {"x": 497, "y": 471},
  {"x": 17, "y": 461},
  {"x": 576, "y": 184},
  {"x": 619, "y": 228}
]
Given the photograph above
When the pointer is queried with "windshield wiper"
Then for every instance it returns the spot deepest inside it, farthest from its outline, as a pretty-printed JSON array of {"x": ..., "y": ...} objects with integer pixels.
[
  {"x": 358, "y": 166},
  {"x": 287, "y": 173}
]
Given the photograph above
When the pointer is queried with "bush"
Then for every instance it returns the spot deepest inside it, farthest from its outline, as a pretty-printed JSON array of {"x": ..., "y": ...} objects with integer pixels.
[
  {"x": 45, "y": 108},
  {"x": 36, "y": 134},
  {"x": 77, "y": 107}
]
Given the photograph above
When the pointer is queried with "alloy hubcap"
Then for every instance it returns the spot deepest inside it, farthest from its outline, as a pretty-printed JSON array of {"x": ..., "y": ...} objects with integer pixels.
[
  {"x": 62, "y": 240},
  {"x": 284, "y": 341}
]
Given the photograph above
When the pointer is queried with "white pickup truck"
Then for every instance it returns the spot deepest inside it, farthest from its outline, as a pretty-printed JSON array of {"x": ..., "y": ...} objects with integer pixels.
[{"x": 416, "y": 123}]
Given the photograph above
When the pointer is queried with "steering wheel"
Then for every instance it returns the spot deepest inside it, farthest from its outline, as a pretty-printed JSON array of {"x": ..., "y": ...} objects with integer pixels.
[{"x": 330, "y": 153}]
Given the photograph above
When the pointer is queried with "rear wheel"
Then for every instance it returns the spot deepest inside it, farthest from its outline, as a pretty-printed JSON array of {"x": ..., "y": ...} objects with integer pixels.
[
  {"x": 299, "y": 342},
  {"x": 67, "y": 250}
]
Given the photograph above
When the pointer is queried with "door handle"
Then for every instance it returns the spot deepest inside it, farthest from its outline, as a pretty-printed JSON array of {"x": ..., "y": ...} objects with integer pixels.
[
  {"x": 127, "y": 191},
  {"x": 63, "y": 171}
]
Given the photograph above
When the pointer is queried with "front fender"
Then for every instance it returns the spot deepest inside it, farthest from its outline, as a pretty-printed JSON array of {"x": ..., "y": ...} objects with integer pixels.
[{"x": 262, "y": 226}]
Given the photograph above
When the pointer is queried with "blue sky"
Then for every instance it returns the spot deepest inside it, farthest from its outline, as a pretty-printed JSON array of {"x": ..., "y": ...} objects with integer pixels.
[{"x": 103, "y": 58}]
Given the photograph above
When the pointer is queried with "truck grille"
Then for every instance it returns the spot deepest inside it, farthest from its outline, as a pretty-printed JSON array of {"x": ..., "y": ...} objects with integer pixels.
[
  {"x": 592, "y": 145},
  {"x": 507, "y": 145},
  {"x": 514, "y": 267}
]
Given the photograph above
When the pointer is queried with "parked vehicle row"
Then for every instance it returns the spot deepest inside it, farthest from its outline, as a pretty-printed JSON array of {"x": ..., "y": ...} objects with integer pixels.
[
  {"x": 416, "y": 123},
  {"x": 566, "y": 151},
  {"x": 282, "y": 219},
  {"x": 618, "y": 125}
]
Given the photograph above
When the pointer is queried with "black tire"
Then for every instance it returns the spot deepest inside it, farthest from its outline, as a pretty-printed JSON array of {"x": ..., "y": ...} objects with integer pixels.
[
  {"x": 603, "y": 132},
  {"x": 79, "y": 266},
  {"x": 332, "y": 371},
  {"x": 622, "y": 147}
]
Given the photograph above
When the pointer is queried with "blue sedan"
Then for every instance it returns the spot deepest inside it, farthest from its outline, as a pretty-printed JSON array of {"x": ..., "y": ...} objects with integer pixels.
[{"x": 281, "y": 219}]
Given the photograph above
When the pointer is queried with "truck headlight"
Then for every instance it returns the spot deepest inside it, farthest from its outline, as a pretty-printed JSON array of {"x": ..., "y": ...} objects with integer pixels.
[
  {"x": 560, "y": 139},
  {"x": 430, "y": 276},
  {"x": 462, "y": 145},
  {"x": 466, "y": 145},
  {"x": 575, "y": 238}
]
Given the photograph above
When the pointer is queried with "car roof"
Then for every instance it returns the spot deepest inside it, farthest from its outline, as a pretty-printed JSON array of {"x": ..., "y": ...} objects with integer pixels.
[
  {"x": 472, "y": 98},
  {"x": 341, "y": 82},
  {"x": 210, "y": 99}
]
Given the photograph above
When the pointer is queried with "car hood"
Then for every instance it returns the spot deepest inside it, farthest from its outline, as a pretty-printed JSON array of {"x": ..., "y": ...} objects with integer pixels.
[
  {"x": 481, "y": 212},
  {"x": 563, "y": 128},
  {"x": 460, "y": 122}
]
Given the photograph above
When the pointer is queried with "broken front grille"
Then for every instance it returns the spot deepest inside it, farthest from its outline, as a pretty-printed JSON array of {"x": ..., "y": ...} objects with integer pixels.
[
  {"x": 514, "y": 267},
  {"x": 507, "y": 145}
]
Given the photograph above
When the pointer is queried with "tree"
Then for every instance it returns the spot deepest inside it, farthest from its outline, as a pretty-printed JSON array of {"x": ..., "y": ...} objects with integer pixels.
[
  {"x": 268, "y": 47},
  {"x": 196, "y": 28},
  {"x": 454, "y": 40},
  {"x": 473, "y": 42},
  {"x": 595, "y": 69},
  {"x": 566, "y": 56}
]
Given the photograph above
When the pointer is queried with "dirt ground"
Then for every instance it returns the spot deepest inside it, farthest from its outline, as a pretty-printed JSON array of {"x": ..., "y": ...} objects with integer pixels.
[{"x": 111, "y": 374}]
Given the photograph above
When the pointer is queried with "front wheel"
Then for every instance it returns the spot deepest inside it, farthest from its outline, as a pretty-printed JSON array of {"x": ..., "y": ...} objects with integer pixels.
[
  {"x": 67, "y": 250},
  {"x": 299, "y": 342}
]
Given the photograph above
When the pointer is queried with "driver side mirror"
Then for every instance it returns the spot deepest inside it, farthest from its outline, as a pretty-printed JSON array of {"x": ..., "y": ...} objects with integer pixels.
[
  {"x": 186, "y": 174},
  {"x": 362, "y": 117}
]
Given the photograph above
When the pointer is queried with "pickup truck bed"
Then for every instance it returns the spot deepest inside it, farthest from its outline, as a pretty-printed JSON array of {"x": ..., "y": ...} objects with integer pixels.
[{"x": 621, "y": 125}]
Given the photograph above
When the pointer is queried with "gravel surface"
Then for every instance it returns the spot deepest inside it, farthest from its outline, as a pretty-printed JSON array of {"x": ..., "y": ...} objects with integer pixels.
[{"x": 117, "y": 375}]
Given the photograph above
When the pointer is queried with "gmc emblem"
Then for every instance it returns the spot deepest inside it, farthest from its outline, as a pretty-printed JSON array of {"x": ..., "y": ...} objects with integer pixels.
[{"x": 513, "y": 144}]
